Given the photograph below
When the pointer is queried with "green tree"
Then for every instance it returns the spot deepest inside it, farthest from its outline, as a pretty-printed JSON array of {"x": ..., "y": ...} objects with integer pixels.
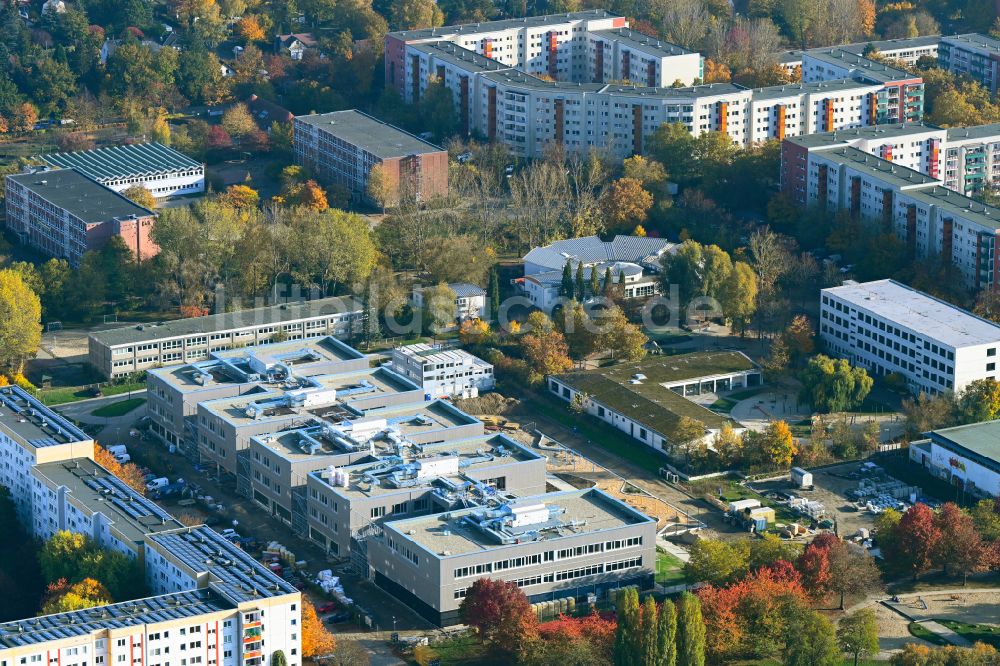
[
  {"x": 415, "y": 15},
  {"x": 380, "y": 189},
  {"x": 811, "y": 640},
  {"x": 621, "y": 337},
  {"x": 718, "y": 562},
  {"x": 690, "y": 632},
  {"x": 770, "y": 549},
  {"x": 278, "y": 658},
  {"x": 566, "y": 286},
  {"x": 437, "y": 107},
  {"x": 979, "y": 401},
  {"x": 628, "y": 632},
  {"x": 832, "y": 385},
  {"x": 649, "y": 654},
  {"x": 667, "y": 634},
  {"x": 858, "y": 634},
  {"x": 579, "y": 291},
  {"x": 140, "y": 195},
  {"x": 673, "y": 144},
  {"x": 440, "y": 310},
  {"x": 20, "y": 321},
  {"x": 607, "y": 285},
  {"x": 595, "y": 282}
]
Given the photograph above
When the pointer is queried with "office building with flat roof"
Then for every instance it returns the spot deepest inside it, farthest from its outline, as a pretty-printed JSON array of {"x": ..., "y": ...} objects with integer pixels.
[
  {"x": 646, "y": 399},
  {"x": 174, "y": 392},
  {"x": 966, "y": 457},
  {"x": 163, "y": 171},
  {"x": 343, "y": 147},
  {"x": 444, "y": 372},
  {"x": 583, "y": 544},
  {"x": 122, "y": 351},
  {"x": 63, "y": 214},
  {"x": 399, "y": 478},
  {"x": 889, "y": 328}
]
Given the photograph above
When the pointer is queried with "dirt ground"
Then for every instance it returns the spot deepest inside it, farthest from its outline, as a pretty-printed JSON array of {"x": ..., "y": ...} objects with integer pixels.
[{"x": 830, "y": 488}]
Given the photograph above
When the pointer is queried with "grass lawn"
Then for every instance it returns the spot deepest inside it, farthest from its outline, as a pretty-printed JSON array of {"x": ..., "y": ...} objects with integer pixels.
[
  {"x": 63, "y": 395},
  {"x": 669, "y": 569},
  {"x": 118, "y": 408},
  {"x": 983, "y": 633},
  {"x": 464, "y": 649},
  {"x": 724, "y": 405},
  {"x": 919, "y": 631},
  {"x": 733, "y": 491},
  {"x": 118, "y": 389}
]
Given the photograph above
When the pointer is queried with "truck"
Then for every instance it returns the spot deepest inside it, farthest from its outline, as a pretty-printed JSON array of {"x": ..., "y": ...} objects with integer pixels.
[
  {"x": 117, "y": 450},
  {"x": 801, "y": 478}
]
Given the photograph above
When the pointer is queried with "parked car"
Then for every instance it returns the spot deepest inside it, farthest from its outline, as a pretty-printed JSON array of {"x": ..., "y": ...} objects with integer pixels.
[
  {"x": 464, "y": 157},
  {"x": 337, "y": 618},
  {"x": 328, "y": 607}
]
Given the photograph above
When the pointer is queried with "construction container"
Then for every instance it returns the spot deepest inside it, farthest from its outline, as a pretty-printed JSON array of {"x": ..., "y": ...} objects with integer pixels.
[
  {"x": 739, "y": 506},
  {"x": 801, "y": 478}
]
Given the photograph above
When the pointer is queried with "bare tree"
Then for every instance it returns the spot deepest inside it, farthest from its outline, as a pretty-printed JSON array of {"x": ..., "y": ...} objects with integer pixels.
[
  {"x": 769, "y": 258},
  {"x": 685, "y": 22}
]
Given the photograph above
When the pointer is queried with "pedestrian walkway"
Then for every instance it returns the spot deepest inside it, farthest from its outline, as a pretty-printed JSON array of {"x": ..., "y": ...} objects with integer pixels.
[{"x": 945, "y": 633}]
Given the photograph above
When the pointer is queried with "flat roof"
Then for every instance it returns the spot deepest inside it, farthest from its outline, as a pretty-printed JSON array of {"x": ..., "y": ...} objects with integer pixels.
[
  {"x": 583, "y": 512},
  {"x": 919, "y": 312},
  {"x": 99, "y": 491},
  {"x": 974, "y": 132},
  {"x": 370, "y": 134},
  {"x": 793, "y": 89},
  {"x": 975, "y": 41},
  {"x": 434, "y": 354},
  {"x": 845, "y": 136},
  {"x": 232, "y": 572},
  {"x": 34, "y": 423},
  {"x": 959, "y": 204},
  {"x": 878, "y": 71},
  {"x": 902, "y": 177},
  {"x": 859, "y": 48},
  {"x": 504, "y": 24},
  {"x": 650, "y": 402},
  {"x": 244, "y": 365},
  {"x": 473, "y": 454},
  {"x": 82, "y": 197},
  {"x": 164, "y": 608},
  {"x": 982, "y": 439},
  {"x": 458, "y": 55},
  {"x": 641, "y": 41},
  {"x": 114, "y": 162},
  {"x": 272, "y": 314}
]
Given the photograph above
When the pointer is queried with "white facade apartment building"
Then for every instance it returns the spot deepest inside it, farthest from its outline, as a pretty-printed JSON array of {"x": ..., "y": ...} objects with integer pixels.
[
  {"x": 906, "y": 50},
  {"x": 931, "y": 219},
  {"x": 887, "y": 327},
  {"x": 569, "y": 90},
  {"x": 444, "y": 372},
  {"x": 214, "y": 605},
  {"x": 975, "y": 55},
  {"x": 470, "y": 300},
  {"x": 964, "y": 159}
]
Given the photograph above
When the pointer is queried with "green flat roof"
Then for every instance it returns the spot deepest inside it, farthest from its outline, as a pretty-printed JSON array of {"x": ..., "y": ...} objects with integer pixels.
[
  {"x": 650, "y": 402},
  {"x": 980, "y": 438},
  {"x": 114, "y": 162}
]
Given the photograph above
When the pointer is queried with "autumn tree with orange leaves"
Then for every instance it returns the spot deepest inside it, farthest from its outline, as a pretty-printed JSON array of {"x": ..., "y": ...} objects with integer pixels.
[
  {"x": 129, "y": 472},
  {"x": 316, "y": 639},
  {"x": 500, "y": 613}
]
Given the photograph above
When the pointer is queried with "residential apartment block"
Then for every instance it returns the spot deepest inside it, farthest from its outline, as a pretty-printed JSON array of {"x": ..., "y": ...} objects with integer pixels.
[
  {"x": 444, "y": 372},
  {"x": 163, "y": 171},
  {"x": 932, "y": 220},
  {"x": 582, "y": 543},
  {"x": 964, "y": 159},
  {"x": 344, "y": 146},
  {"x": 63, "y": 214},
  {"x": 889, "y": 328},
  {"x": 906, "y": 50},
  {"x": 212, "y": 604},
  {"x": 976, "y": 56},
  {"x": 121, "y": 351},
  {"x": 584, "y": 80}
]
